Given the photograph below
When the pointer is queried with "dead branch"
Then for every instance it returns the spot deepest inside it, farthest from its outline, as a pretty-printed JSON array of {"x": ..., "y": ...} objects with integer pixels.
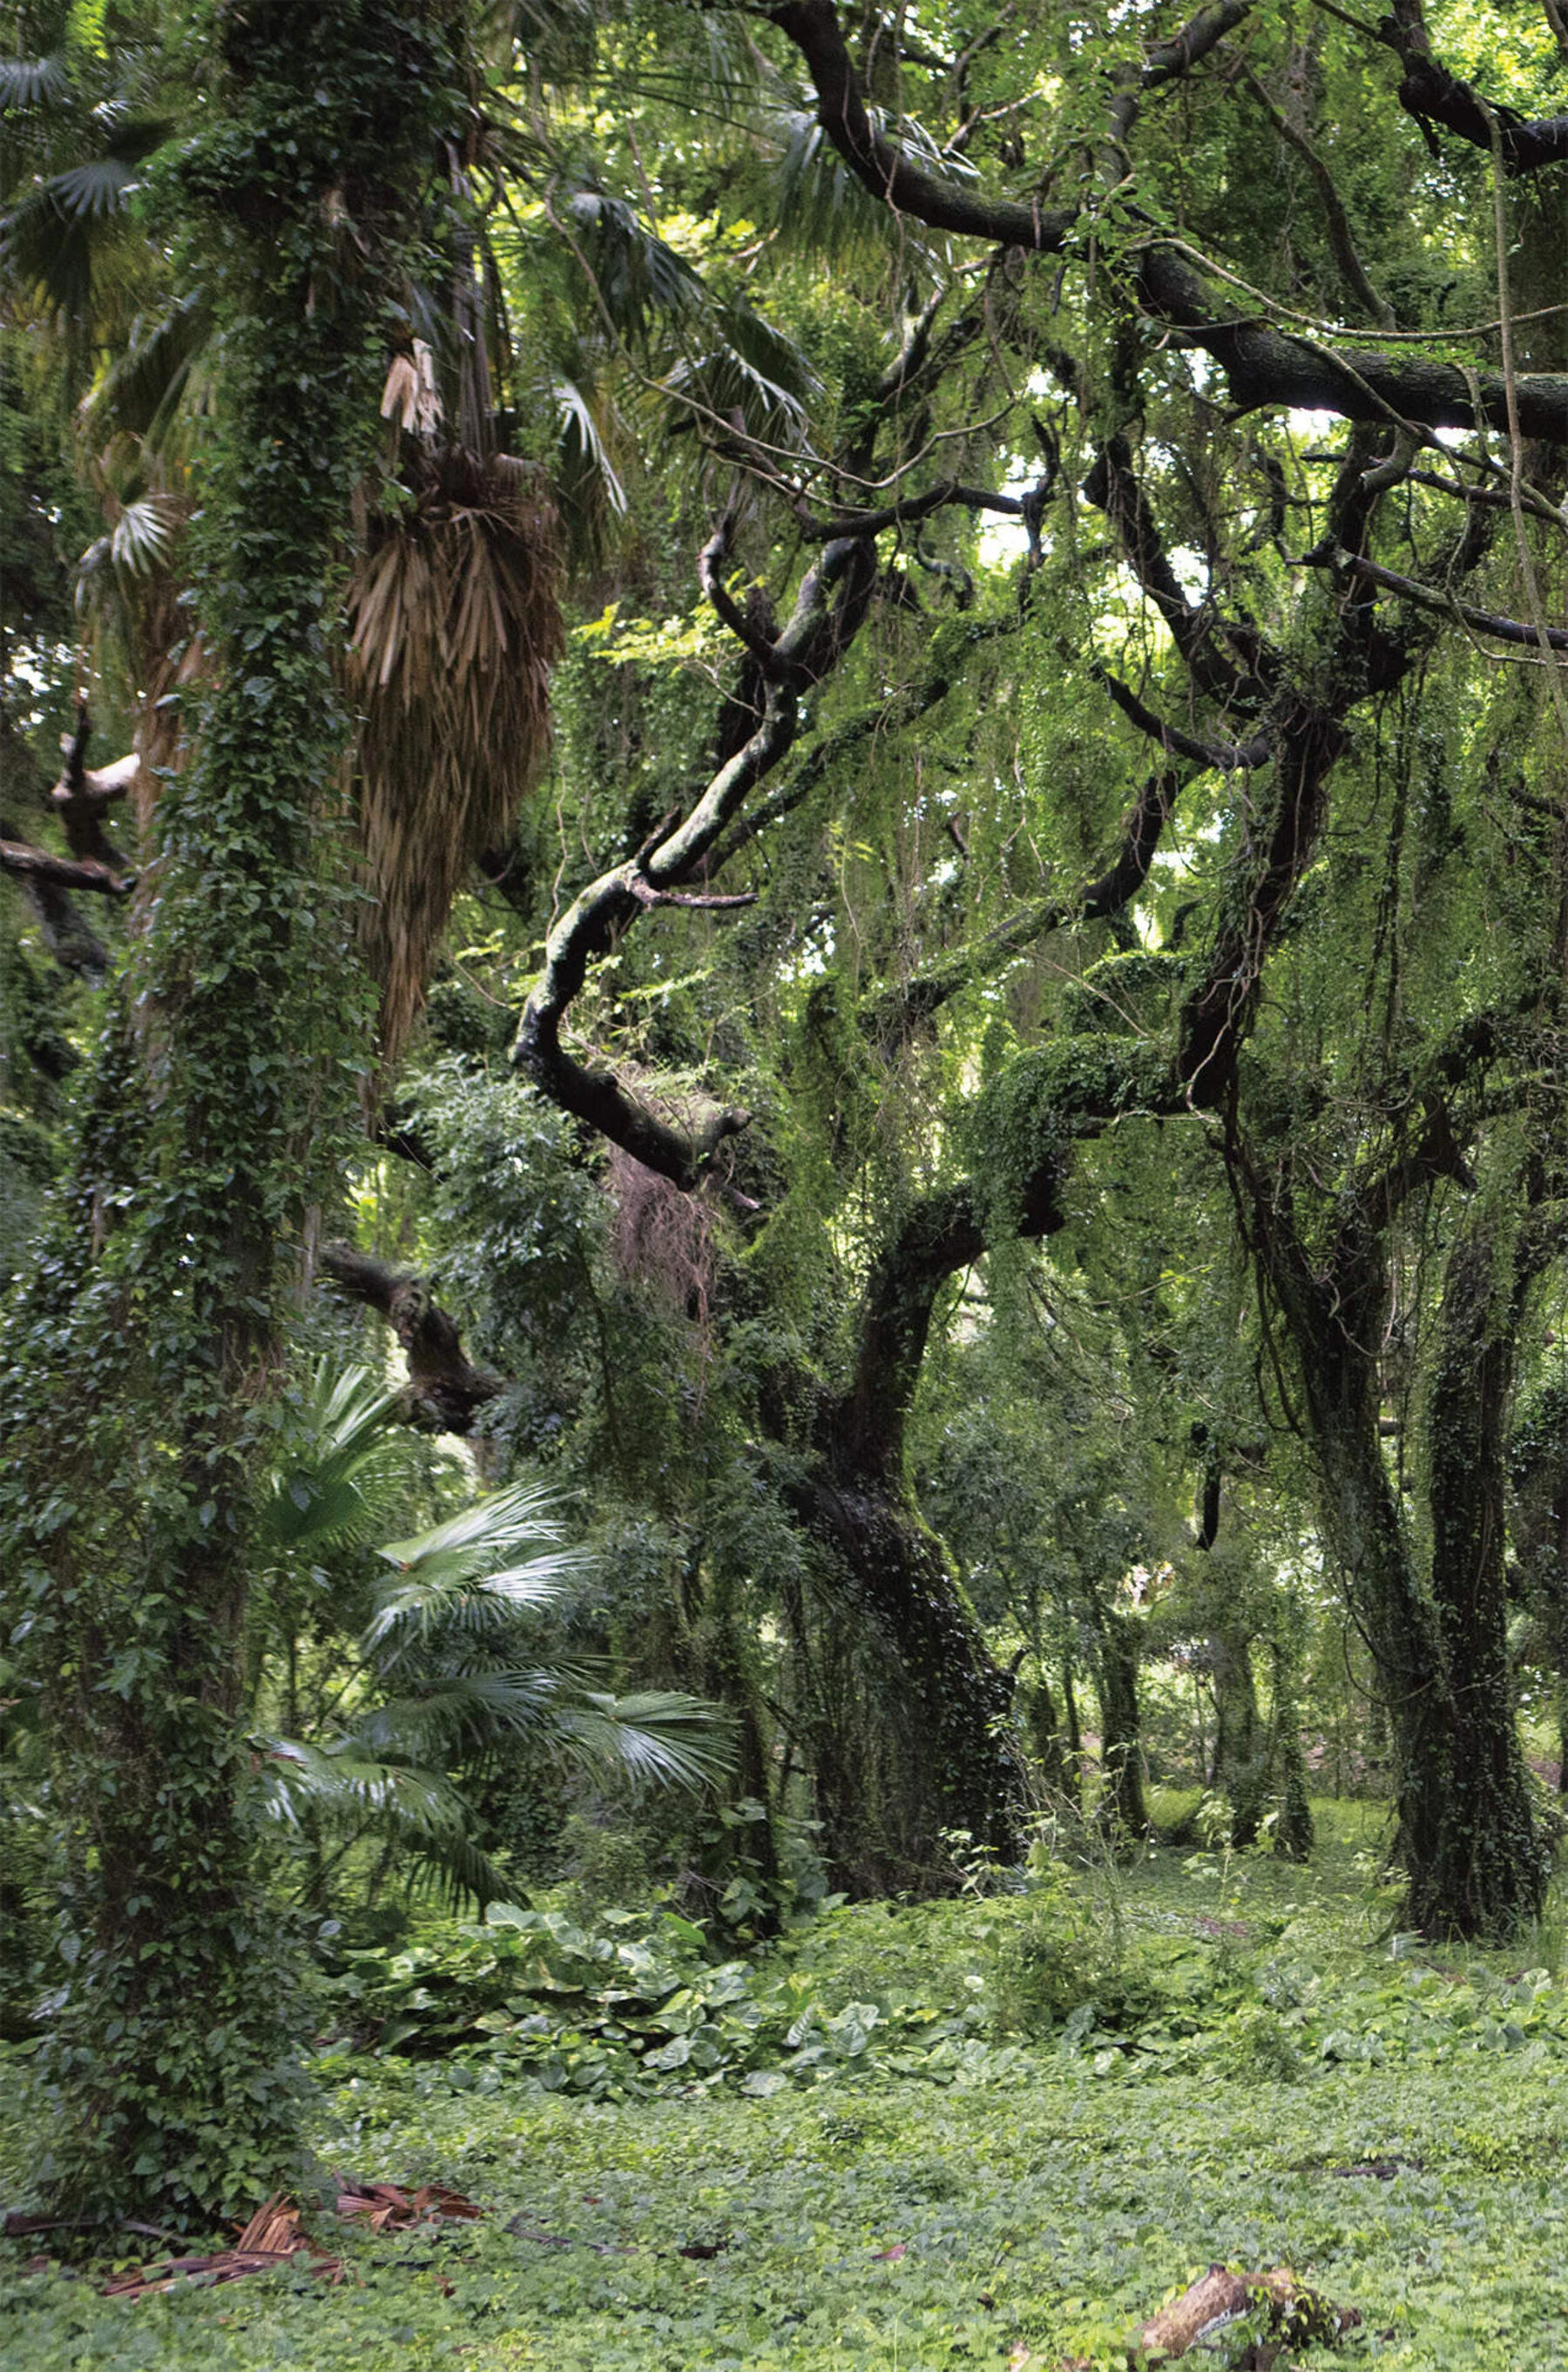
[
  {"x": 1285, "y": 2312},
  {"x": 29, "y": 864}
]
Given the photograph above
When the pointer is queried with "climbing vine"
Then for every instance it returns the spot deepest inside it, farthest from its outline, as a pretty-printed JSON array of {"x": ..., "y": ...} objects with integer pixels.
[{"x": 148, "y": 1355}]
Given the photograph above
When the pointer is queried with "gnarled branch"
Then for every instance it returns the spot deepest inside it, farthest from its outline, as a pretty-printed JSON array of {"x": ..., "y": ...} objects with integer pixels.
[
  {"x": 1432, "y": 95},
  {"x": 30, "y": 864},
  {"x": 445, "y": 1390},
  {"x": 890, "y": 1016},
  {"x": 828, "y": 608}
]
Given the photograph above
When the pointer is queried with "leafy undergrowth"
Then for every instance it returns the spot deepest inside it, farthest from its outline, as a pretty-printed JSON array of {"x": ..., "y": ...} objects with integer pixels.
[{"x": 983, "y": 2169}]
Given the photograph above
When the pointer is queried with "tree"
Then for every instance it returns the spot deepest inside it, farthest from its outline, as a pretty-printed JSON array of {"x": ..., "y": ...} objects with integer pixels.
[
  {"x": 145, "y": 1357},
  {"x": 902, "y": 876}
]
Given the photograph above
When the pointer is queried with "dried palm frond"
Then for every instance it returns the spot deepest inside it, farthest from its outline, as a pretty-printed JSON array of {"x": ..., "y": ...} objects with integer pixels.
[{"x": 454, "y": 628}]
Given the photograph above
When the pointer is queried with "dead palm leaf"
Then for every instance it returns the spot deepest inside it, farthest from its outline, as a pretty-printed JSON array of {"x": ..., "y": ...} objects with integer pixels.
[{"x": 455, "y": 626}]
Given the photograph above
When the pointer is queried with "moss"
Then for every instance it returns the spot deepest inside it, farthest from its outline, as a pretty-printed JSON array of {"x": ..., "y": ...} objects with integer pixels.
[{"x": 1124, "y": 995}]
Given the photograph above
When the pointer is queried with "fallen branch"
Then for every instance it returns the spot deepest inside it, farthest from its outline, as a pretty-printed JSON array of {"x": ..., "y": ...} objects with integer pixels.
[
  {"x": 1282, "y": 2313},
  {"x": 272, "y": 2238}
]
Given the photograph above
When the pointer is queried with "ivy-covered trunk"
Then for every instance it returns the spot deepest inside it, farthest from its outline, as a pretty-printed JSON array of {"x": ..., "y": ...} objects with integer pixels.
[
  {"x": 1121, "y": 1807},
  {"x": 957, "y": 1769},
  {"x": 950, "y": 1740},
  {"x": 1472, "y": 1862},
  {"x": 149, "y": 1352},
  {"x": 1485, "y": 1870}
]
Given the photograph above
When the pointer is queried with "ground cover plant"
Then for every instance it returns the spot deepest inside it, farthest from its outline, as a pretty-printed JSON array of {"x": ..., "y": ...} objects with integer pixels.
[{"x": 1278, "y": 2079}]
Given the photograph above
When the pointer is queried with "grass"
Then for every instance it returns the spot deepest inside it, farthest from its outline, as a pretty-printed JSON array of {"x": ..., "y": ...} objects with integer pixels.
[{"x": 1278, "y": 2088}]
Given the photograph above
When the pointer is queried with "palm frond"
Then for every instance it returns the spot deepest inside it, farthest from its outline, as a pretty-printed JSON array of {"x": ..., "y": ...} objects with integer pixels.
[
  {"x": 656, "y": 1737},
  {"x": 28, "y": 83},
  {"x": 583, "y": 440},
  {"x": 639, "y": 280},
  {"x": 345, "y": 1785},
  {"x": 142, "y": 388},
  {"x": 460, "y": 1711},
  {"x": 52, "y": 240},
  {"x": 447, "y": 1594},
  {"x": 143, "y": 536},
  {"x": 752, "y": 371},
  {"x": 328, "y": 1496},
  {"x": 478, "y": 1572},
  {"x": 823, "y": 210},
  {"x": 493, "y": 1526},
  {"x": 455, "y": 628},
  {"x": 348, "y": 1788},
  {"x": 589, "y": 486}
]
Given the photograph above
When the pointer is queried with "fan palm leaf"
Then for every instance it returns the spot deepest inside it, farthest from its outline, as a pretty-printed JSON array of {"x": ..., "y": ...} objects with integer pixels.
[
  {"x": 326, "y": 1497},
  {"x": 142, "y": 389},
  {"x": 657, "y": 1736},
  {"x": 523, "y": 1514},
  {"x": 349, "y": 1789},
  {"x": 448, "y": 1595},
  {"x": 440, "y": 1685}
]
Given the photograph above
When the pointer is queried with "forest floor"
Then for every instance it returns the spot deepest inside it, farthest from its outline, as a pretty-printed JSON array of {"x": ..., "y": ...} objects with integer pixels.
[{"x": 1266, "y": 2076}]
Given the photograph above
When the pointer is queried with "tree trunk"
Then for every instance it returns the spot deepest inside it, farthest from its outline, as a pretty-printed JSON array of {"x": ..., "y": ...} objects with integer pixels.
[
  {"x": 959, "y": 1769},
  {"x": 152, "y": 1341},
  {"x": 1121, "y": 1808},
  {"x": 1485, "y": 1872},
  {"x": 1294, "y": 1831},
  {"x": 1471, "y": 1859},
  {"x": 961, "y": 1772},
  {"x": 1239, "y": 1768},
  {"x": 1043, "y": 1733},
  {"x": 1074, "y": 1727}
]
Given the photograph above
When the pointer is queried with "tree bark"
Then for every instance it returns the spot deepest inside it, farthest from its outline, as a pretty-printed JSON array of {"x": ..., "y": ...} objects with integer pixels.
[
  {"x": 1239, "y": 1766},
  {"x": 151, "y": 1340},
  {"x": 1472, "y": 1862},
  {"x": 957, "y": 1713},
  {"x": 445, "y": 1389},
  {"x": 1121, "y": 1808},
  {"x": 1484, "y": 1867}
]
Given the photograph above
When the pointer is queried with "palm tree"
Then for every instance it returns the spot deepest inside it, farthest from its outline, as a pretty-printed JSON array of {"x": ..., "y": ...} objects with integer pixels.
[{"x": 444, "y": 1677}]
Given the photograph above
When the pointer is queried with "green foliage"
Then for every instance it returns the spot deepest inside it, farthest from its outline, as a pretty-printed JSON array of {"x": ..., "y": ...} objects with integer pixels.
[
  {"x": 436, "y": 1683},
  {"x": 158, "y": 1312},
  {"x": 1411, "y": 2170}
]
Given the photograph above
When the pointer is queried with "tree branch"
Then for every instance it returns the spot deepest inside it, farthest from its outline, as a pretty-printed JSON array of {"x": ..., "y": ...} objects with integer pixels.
[
  {"x": 813, "y": 25},
  {"x": 1432, "y": 95},
  {"x": 828, "y": 608},
  {"x": 1225, "y": 758},
  {"x": 1445, "y": 605},
  {"x": 1112, "y": 486},
  {"x": 1264, "y": 365},
  {"x": 897, "y": 1011},
  {"x": 1352, "y": 272},
  {"x": 84, "y": 792},
  {"x": 27, "y": 863},
  {"x": 445, "y": 1390},
  {"x": 73, "y": 945}
]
